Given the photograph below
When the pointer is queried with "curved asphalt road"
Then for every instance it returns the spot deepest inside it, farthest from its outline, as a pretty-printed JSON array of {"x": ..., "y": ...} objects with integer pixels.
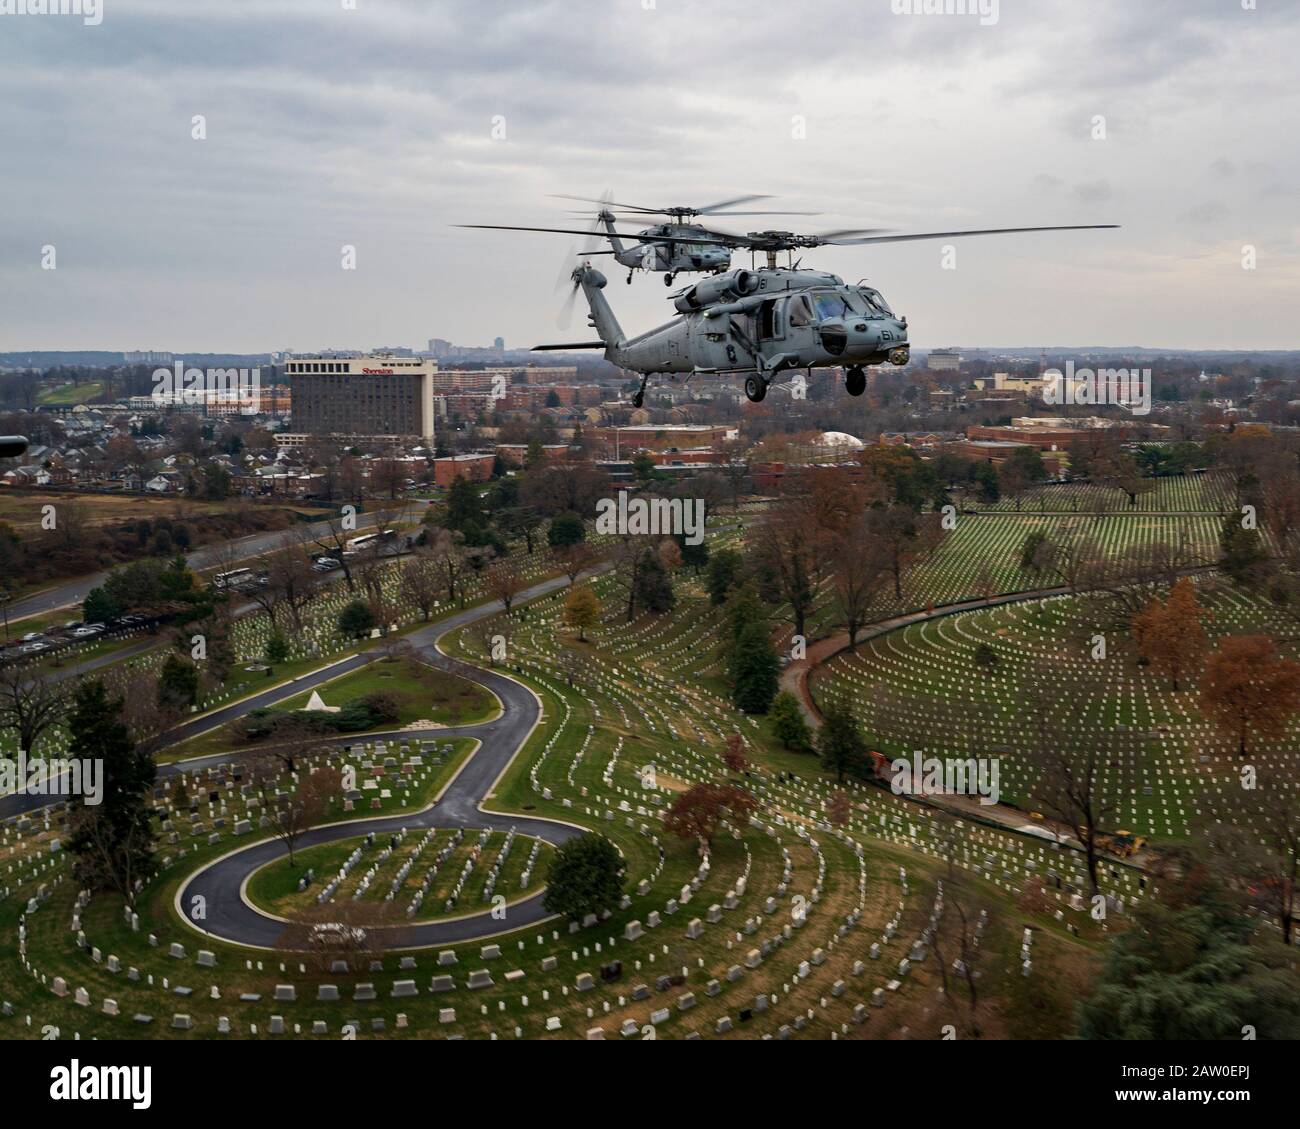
[{"x": 232, "y": 919}]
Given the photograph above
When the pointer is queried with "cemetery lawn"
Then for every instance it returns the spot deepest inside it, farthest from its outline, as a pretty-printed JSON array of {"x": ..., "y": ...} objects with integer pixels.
[
  {"x": 428, "y": 695},
  {"x": 274, "y": 888}
]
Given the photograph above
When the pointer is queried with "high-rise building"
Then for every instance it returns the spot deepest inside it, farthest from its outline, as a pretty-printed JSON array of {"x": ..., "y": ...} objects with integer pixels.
[{"x": 376, "y": 398}]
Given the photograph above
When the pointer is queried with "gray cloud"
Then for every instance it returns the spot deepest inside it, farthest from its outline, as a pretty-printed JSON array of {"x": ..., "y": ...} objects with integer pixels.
[{"x": 373, "y": 128}]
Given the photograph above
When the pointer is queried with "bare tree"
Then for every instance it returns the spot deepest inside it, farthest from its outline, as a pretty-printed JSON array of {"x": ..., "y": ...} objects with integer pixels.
[
  {"x": 30, "y": 704},
  {"x": 504, "y": 581},
  {"x": 420, "y": 583},
  {"x": 291, "y": 814}
]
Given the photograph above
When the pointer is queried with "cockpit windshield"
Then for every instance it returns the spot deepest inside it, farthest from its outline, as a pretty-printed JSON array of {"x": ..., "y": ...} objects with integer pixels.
[
  {"x": 875, "y": 301},
  {"x": 832, "y": 304}
]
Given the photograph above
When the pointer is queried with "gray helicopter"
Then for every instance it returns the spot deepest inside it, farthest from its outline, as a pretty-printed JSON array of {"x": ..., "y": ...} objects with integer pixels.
[
  {"x": 765, "y": 321},
  {"x": 676, "y": 246}
]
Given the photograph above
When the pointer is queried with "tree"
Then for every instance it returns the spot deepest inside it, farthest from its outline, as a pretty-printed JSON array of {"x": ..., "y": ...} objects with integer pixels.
[
  {"x": 1243, "y": 553},
  {"x": 1192, "y": 966},
  {"x": 840, "y": 742},
  {"x": 574, "y": 560},
  {"x": 292, "y": 813},
  {"x": 505, "y": 582},
  {"x": 565, "y": 529},
  {"x": 178, "y": 683},
  {"x": 277, "y": 648},
  {"x": 734, "y": 756},
  {"x": 860, "y": 566},
  {"x": 906, "y": 538},
  {"x": 699, "y": 812},
  {"x": 582, "y": 610},
  {"x": 788, "y": 723},
  {"x": 839, "y": 808},
  {"x": 726, "y": 567},
  {"x": 420, "y": 582},
  {"x": 112, "y": 841},
  {"x": 1247, "y": 689},
  {"x": 464, "y": 506},
  {"x": 29, "y": 706},
  {"x": 694, "y": 557},
  {"x": 100, "y": 607},
  {"x": 585, "y": 877},
  {"x": 1169, "y": 634},
  {"x": 654, "y": 587},
  {"x": 754, "y": 668},
  {"x": 795, "y": 551},
  {"x": 356, "y": 619},
  {"x": 1069, "y": 764},
  {"x": 1257, "y": 838}
]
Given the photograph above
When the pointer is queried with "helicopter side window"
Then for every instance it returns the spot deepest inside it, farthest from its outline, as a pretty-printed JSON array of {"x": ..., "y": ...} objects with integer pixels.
[{"x": 799, "y": 312}]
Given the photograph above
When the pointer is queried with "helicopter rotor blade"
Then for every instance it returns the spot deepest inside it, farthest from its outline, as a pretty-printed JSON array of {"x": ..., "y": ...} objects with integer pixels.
[
  {"x": 634, "y": 236},
  {"x": 709, "y": 209},
  {"x": 605, "y": 202},
  {"x": 838, "y": 237}
]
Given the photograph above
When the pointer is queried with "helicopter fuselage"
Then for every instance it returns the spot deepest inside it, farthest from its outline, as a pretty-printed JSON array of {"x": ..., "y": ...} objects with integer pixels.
[
  {"x": 762, "y": 321},
  {"x": 660, "y": 250}
]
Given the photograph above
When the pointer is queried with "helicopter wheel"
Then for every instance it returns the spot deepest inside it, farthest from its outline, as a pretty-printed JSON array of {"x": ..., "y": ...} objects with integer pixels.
[
  {"x": 755, "y": 388},
  {"x": 629, "y": 278},
  {"x": 668, "y": 280},
  {"x": 638, "y": 399},
  {"x": 855, "y": 381}
]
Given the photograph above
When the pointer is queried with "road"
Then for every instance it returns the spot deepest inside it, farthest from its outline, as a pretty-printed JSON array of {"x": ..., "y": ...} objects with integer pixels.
[
  {"x": 75, "y": 591},
  {"x": 220, "y": 884}
]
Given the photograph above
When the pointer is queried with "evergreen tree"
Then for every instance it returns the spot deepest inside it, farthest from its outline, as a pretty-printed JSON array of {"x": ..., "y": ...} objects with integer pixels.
[
  {"x": 724, "y": 573},
  {"x": 788, "y": 724},
  {"x": 178, "y": 683},
  {"x": 565, "y": 529},
  {"x": 356, "y": 619},
  {"x": 841, "y": 744},
  {"x": 277, "y": 648},
  {"x": 754, "y": 668},
  {"x": 654, "y": 587},
  {"x": 111, "y": 841},
  {"x": 464, "y": 506},
  {"x": 586, "y": 876}
]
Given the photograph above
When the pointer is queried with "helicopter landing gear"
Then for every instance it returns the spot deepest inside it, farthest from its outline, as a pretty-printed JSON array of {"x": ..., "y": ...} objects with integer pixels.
[
  {"x": 755, "y": 388},
  {"x": 629, "y": 277},
  {"x": 668, "y": 280},
  {"x": 855, "y": 381},
  {"x": 639, "y": 398}
]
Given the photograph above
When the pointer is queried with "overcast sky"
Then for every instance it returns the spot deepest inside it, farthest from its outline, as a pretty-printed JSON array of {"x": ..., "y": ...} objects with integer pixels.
[{"x": 372, "y": 126}]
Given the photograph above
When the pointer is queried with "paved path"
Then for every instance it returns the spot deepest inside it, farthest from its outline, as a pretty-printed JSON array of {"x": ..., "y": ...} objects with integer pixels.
[{"x": 231, "y": 918}]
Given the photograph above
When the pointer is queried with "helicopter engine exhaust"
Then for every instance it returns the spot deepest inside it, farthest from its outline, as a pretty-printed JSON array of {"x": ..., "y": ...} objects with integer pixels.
[{"x": 734, "y": 285}]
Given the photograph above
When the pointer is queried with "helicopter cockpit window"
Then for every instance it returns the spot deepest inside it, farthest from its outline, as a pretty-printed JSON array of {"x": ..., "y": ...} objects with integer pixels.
[
  {"x": 831, "y": 304},
  {"x": 875, "y": 301},
  {"x": 799, "y": 312}
]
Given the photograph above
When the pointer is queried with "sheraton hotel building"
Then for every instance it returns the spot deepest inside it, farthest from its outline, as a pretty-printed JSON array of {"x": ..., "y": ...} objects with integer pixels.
[{"x": 376, "y": 399}]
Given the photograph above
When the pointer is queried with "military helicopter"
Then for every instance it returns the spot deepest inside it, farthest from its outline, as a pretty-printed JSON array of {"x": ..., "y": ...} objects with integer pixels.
[
  {"x": 673, "y": 247},
  {"x": 767, "y": 320}
]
